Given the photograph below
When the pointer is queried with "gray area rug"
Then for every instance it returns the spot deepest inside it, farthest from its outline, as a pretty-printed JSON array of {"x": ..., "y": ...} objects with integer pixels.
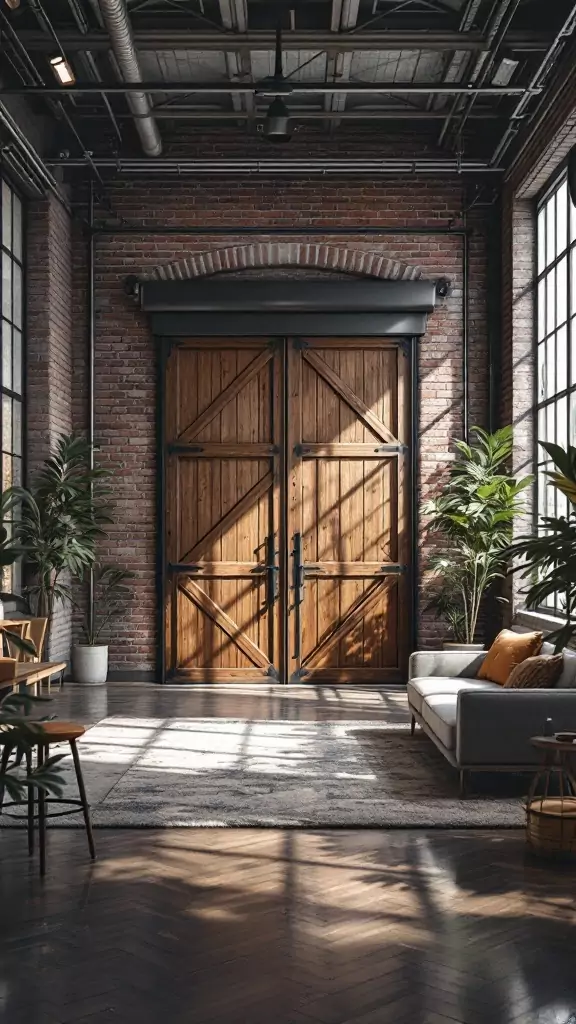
[{"x": 160, "y": 773}]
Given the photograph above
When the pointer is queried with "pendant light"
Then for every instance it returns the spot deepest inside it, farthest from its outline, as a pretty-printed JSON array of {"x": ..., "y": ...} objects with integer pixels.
[{"x": 277, "y": 127}]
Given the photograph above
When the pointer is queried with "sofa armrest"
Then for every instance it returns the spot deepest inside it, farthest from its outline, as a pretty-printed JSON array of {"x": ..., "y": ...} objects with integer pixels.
[
  {"x": 495, "y": 726},
  {"x": 445, "y": 663}
]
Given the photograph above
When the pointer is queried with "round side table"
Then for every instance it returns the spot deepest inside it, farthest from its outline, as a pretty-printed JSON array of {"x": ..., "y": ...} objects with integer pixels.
[{"x": 551, "y": 816}]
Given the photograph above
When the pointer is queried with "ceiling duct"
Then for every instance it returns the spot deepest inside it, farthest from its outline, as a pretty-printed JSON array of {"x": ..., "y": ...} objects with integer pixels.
[{"x": 117, "y": 22}]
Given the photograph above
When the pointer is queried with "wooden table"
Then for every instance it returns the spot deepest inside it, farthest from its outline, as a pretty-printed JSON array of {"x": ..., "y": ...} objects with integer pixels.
[{"x": 33, "y": 673}]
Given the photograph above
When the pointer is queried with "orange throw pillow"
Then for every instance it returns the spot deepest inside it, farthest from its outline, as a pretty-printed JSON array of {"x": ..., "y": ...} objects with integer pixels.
[{"x": 508, "y": 650}]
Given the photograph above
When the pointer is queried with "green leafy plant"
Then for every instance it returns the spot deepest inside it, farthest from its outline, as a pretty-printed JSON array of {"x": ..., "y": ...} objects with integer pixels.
[
  {"x": 111, "y": 595},
  {"x": 18, "y": 737},
  {"x": 473, "y": 517},
  {"x": 61, "y": 519},
  {"x": 549, "y": 558}
]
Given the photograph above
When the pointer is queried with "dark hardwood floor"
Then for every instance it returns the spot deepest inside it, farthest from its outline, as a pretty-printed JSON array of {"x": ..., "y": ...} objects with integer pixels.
[{"x": 193, "y": 926}]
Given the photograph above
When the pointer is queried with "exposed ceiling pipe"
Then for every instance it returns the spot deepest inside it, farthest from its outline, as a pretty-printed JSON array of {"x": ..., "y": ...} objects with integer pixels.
[
  {"x": 334, "y": 165},
  {"x": 497, "y": 15},
  {"x": 537, "y": 80},
  {"x": 115, "y": 15}
]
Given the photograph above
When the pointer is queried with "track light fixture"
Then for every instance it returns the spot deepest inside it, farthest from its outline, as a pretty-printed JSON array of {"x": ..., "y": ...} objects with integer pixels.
[
  {"x": 12, "y": 4},
  {"x": 62, "y": 70},
  {"x": 277, "y": 127}
]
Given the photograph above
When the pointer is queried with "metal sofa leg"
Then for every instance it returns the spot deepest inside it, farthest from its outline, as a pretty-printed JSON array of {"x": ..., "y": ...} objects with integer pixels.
[
  {"x": 412, "y": 725},
  {"x": 464, "y": 780}
]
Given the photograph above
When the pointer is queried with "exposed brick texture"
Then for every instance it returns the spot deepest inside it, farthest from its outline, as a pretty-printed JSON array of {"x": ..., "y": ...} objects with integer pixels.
[
  {"x": 126, "y": 370},
  {"x": 49, "y": 352}
]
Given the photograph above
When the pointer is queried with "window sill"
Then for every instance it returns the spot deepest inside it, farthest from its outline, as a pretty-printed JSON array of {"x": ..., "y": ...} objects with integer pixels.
[{"x": 537, "y": 620}]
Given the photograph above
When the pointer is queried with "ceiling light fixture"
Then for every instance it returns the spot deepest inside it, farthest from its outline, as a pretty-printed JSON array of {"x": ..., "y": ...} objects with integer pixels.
[
  {"x": 505, "y": 71},
  {"x": 62, "y": 70},
  {"x": 277, "y": 127}
]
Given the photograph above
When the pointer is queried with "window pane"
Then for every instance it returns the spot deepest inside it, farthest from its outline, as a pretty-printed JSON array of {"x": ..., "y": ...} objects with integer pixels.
[
  {"x": 573, "y": 418},
  {"x": 6, "y": 355},
  {"x": 6, "y": 423},
  {"x": 550, "y": 377},
  {"x": 6, "y": 286},
  {"x": 17, "y": 427},
  {"x": 562, "y": 422},
  {"x": 541, "y": 433},
  {"x": 17, "y": 227},
  {"x": 550, "y": 230},
  {"x": 561, "y": 291},
  {"x": 550, "y": 423},
  {"x": 541, "y": 371},
  {"x": 17, "y": 475},
  {"x": 17, "y": 375},
  {"x": 542, "y": 309},
  {"x": 562, "y": 218},
  {"x": 550, "y": 301},
  {"x": 561, "y": 359},
  {"x": 6, "y": 471},
  {"x": 17, "y": 295},
  {"x": 541, "y": 232},
  {"x": 6, "y": 216}
]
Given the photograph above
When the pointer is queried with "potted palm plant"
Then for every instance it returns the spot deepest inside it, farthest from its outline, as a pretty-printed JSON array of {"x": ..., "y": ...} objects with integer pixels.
[
  {"x": 111, "y": 594},
  {"x": 472, "y": 518},
  {"x": 548, "y": 559},
  {"x": 60, "y": 520}
]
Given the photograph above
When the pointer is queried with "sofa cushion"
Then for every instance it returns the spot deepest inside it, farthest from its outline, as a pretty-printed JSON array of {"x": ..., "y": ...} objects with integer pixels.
[
  {"x": 421, "y": 688},
  {"x": 439, "y": 712},
  {"x": 508, "y": 650}
]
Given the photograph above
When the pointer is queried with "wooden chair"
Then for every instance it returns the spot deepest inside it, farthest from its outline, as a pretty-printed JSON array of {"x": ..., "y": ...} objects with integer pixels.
[
  {"x": 36, "y": 633},
  {"x": 52, "y": 732}
]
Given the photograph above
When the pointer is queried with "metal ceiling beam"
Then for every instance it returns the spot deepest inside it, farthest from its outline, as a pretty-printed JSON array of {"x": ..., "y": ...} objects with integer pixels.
[
  {"x": 234, "y": 14},
  {"x": 344, "y": 18},
  {"x": 264, "y": 89},
  {"x": 344, "y": 42}
]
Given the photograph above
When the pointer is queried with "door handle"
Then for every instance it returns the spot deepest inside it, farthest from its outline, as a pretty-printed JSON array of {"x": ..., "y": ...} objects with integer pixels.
[
  {"x": 271, "y": 572},
  {"x": 298, "y": 567},
  {"x": 298, "y": 584}
]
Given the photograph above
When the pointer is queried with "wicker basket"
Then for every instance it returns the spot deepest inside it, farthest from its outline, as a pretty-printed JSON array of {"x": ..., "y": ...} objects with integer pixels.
[{"x": 551, "y": 826}]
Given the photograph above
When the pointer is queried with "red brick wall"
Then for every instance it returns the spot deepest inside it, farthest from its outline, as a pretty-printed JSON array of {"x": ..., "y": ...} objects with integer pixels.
[
  {"x": 125, "y": 356},
  {"x": 49, "y": 351}
]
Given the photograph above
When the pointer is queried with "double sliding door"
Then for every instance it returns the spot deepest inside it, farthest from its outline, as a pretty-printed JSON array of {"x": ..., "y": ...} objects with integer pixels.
[{"x": 285, "y": 493}]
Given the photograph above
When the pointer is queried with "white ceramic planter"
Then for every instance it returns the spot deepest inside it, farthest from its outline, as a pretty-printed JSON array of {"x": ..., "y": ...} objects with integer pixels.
[
  {"x": 446, "y": 646},
  {"x": 89, "y": 664}
]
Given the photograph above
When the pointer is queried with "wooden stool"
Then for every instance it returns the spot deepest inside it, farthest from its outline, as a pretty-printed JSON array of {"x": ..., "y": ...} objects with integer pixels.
[{"x": 52, "y": 732}]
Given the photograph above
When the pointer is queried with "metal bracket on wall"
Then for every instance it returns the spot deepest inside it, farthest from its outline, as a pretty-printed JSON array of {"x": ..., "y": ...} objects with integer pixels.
[
  {"x": 299, "y": 344},
  {"x": 384, "y": 449},
  {"x": 392, "y": 570}
]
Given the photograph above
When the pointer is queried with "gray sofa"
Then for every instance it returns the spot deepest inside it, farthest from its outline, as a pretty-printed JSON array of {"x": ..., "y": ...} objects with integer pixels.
[{"x": 480, "y": 726}]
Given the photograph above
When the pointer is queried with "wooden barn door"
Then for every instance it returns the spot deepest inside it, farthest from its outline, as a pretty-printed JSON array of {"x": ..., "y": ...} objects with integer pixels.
[
  {"x": 286, "y": 510},
  {"x": 222, "y": 430},
  {"x": 348, "y": 510}
]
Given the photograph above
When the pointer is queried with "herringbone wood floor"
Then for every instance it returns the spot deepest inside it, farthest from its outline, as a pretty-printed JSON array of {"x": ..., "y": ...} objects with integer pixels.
[{"x": 271, "y": 927}]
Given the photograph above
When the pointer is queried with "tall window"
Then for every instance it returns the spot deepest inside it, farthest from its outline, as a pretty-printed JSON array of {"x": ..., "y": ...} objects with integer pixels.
[
  {"x": 556, "y": 419},
  {"x": 11, "y": 370}
]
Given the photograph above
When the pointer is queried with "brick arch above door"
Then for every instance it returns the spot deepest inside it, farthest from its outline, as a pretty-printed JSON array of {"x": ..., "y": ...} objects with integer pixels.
[{"x": 305, "y": 255}]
